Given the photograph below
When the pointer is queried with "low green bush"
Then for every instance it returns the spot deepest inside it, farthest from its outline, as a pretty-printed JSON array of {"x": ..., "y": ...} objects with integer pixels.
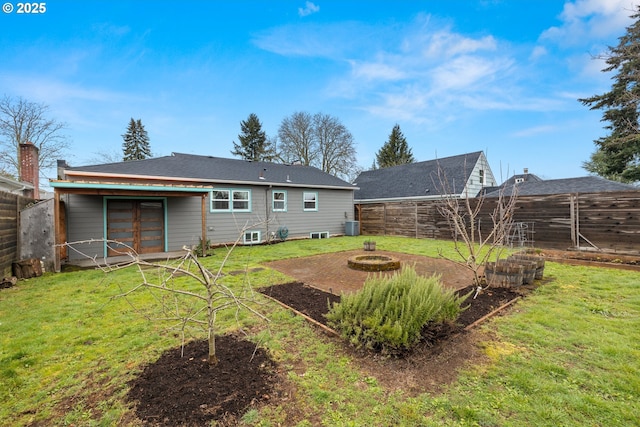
[{"x": 389, "y": 312}]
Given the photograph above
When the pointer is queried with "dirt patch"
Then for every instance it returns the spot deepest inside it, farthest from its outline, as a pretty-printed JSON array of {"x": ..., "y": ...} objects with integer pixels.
[
  {"x": 593, "y": 258},
  {"x": 331, "y": 273}
]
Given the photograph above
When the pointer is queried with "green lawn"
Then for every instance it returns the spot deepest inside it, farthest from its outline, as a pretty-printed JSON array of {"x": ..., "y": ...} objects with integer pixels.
[{"x": 567, "y": 355}]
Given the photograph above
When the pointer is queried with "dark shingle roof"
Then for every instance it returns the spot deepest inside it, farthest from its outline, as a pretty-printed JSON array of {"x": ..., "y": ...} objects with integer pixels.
[
  {"x": 217, "y": 169},
  {"x": 586, "y": 184},
  {"x": 419, "y": 179},
  {"x": 524, "y": 177}
]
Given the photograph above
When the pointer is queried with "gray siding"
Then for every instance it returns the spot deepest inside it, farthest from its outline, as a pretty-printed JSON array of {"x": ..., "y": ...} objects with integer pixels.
[
  {"x": 184, "y": 222},
  {"x": 334, "y": 208},
  {"x": 85, "y": 218},
  {"x": 84, "y": 222}
]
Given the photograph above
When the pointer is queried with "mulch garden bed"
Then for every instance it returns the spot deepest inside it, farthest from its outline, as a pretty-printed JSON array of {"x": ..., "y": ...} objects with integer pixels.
[
  {"x": 314, "y": 303},
  {"x": 184, "y": 390}
]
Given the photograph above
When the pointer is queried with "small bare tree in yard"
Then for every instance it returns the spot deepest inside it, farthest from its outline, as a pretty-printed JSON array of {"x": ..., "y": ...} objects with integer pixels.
[
  {"x": 474, "y": 243},
  {"x": 188, "y": 294}
]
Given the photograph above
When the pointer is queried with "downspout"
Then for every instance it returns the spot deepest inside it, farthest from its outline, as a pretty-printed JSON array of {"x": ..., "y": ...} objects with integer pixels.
[{"x": 266, "y": 210}]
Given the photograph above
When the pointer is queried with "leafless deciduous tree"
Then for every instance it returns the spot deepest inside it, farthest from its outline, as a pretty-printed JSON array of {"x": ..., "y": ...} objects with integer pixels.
[
  {"x": 336, "y": 149},
  {"x": 318, "y": 140},
  {"x": 474, "y": 242},
  {"x": 24, "y": 121},
  {"x": 297, "y": 139},
  {"x": 185, "y": 292}
]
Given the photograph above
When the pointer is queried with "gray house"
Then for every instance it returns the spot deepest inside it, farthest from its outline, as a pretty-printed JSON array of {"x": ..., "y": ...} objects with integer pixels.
[
  {"x": 162, "y": 204},
  {"x": 461, "y": 176}
]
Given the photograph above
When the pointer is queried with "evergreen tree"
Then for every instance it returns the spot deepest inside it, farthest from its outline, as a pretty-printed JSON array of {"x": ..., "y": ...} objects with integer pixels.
[
  {"x": 617, "y": 155},
  {"x": 254, "y": 144},
  {"x": 136, "y": 142},
  {"x": 395, "y": 151}
]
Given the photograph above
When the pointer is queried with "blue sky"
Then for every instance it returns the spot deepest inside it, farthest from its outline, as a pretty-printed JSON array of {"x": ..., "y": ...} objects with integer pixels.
[{"x": 502, "y": 76}]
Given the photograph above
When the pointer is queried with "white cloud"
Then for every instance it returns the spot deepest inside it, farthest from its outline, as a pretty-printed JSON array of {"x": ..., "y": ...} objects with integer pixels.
[
  {"x": 446, "y": 44},
  {"x": 590, "y": 20},
  {"x": 309, "y": 9},
  {"x": 466, "y": 72},
  {"x": 538, "y": 52},
  {"x": 376, "y": 71},
  {"x": 312, "y": 40},
  {"x": 533, "y": 131}
]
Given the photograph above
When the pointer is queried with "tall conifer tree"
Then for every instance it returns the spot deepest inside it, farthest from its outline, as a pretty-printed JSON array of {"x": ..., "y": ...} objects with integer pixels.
[
  {"x": 617, "y": 155},
  {"x": 395, "y": 151},
  {"x": 136, "y": 142},
  {"x": 253, "y": 143}
]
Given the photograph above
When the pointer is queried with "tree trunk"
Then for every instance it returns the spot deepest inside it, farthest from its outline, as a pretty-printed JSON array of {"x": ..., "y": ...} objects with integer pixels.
[{"x": 213, "y": 359}]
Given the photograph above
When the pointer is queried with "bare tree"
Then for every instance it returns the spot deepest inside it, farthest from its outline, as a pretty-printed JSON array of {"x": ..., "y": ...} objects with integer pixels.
[
  {"x": 297, "y": 142},
  {"x": 475, "y": 244},
  {"x": 24, "y": 121},
  {"x": 106, "y": 156},
  {"x": 336, "y": 149},
  {"x": 186, "y": 292},
  {"x": 320, "y": 141}
]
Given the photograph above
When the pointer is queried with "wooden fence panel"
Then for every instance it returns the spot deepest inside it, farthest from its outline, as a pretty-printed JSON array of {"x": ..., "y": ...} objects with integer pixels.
[
  {"x": 609, "y": 221},
  {"x": 10, "y": 206}
]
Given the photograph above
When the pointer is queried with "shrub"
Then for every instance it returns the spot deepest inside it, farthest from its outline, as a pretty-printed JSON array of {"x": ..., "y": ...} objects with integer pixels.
[{"x": 389, "y": 312}]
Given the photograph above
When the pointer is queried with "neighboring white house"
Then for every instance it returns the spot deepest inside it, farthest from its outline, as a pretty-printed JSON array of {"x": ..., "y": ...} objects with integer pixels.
[{"x": 463, "y": 176}]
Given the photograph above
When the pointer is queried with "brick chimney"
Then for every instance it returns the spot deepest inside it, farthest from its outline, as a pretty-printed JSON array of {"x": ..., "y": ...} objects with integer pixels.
[{"x": 29, "y": 171}]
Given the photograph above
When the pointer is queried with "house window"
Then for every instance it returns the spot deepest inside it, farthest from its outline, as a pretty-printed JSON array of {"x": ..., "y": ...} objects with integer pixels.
[
  {"x": 251, "y": 237},
  {"x": 223, "y": 200},
  {"x": 279, "y": 201},
  {"x": 310, "y": 201},
  {"x": 481, "y": 176},
  {"x": 519, "y": 180}
]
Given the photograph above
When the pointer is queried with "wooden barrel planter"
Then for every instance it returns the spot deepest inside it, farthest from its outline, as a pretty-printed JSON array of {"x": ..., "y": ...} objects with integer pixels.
[
  {"x": 537, "y": 259},
  {"x": 504, "y": 274},
  {"x": 529, "y": 272}
]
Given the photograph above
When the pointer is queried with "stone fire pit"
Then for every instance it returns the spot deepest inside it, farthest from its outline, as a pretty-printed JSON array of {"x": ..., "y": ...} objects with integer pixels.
[{"x": 373, "y": 263}]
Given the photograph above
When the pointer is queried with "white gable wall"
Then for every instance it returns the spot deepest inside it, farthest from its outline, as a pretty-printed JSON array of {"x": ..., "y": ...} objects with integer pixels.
[{"x": 481, "y": 177}]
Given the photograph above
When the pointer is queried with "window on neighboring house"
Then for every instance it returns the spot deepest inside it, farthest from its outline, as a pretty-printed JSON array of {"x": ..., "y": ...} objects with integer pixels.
[
  {"x": 519, "y": 180},
  {"x": 279, "y": 201},
  {"x": 223, "y": 200},
  {"x": 310, "y": 201},
  {"x": 251, "y": 237},
  {"x": 481, "y": 176}
]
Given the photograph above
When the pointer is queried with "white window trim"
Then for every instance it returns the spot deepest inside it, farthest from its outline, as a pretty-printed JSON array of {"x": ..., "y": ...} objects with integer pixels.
[
  {"x": 273, "y": 201},
  {"x": 231, "y": 191},
  {"x": 252, "y": 241},
  {"x": 319, "y": 235},
  {"x": 304, "y": 208}
]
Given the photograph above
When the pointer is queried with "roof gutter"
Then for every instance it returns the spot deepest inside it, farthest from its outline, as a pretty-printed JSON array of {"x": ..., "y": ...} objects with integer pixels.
[
  {"x": 143, "y": 187},
  {"x": 116, "y": 177}
]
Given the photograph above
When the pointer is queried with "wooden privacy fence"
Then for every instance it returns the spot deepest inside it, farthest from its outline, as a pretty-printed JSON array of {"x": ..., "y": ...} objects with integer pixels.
[
  {"x": 10, "y": 206},
  {"x": 605, "y": 221}
]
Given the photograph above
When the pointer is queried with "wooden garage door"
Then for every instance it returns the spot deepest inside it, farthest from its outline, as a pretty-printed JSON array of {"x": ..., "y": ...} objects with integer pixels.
[{"x": 136, "y": 223}]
